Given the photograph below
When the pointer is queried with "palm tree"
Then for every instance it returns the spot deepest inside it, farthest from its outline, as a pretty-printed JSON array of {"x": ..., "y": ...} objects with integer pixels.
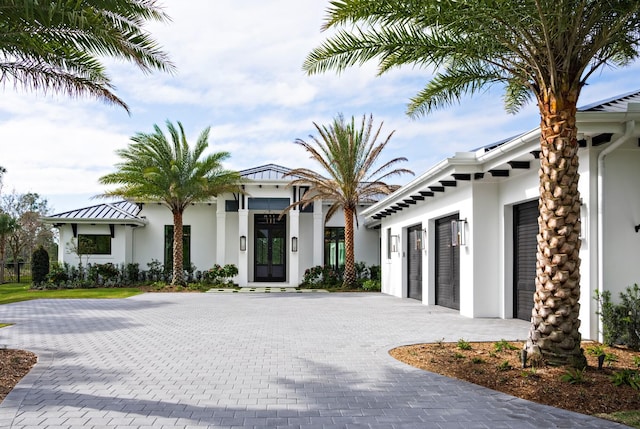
[
  {"x": 538, "y": 49},
  {"x": 7, "y": 226},
  {"x": 155, "y": 168},
  {"x": 348, "y": 155},
  {"x": 56, "y": 45}
]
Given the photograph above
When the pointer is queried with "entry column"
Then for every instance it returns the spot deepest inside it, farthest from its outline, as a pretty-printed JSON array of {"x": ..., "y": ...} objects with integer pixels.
[
  {"x": 318, "y": 241},
  {"x": 221, "y": 220},
  {"x": 243, "y": 256},
  {"x": 294, "y": 259}
]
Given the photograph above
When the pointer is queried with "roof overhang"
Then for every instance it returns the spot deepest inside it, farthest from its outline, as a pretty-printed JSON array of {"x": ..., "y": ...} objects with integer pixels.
[
  {"x": 57, "y": 221},
  {"x": 502, "y": 160}
]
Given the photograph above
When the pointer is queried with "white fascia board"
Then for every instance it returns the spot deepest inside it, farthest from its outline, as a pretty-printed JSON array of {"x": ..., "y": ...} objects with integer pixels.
[
  {"x": 462, "y": 162},
  {"x": 605, "y": 122},
  {"x": 58, "y": 220}
]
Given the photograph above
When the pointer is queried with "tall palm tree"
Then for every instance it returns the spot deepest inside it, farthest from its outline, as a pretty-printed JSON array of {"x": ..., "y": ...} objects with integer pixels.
[
  {"x": 157, "y": 168},
  {"x": 348, "y": 154},
  {"x": 56, "y": 45},
  {"x": 538, "y": 49}
]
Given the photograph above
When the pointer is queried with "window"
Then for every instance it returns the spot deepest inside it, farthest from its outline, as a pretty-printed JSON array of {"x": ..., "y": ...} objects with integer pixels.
[
  {"x": 94, "y": 244},
  {"x": 334, "y": 247},
  {"x": 389, "y": 249},
  {"x": 168, "y": 245}
]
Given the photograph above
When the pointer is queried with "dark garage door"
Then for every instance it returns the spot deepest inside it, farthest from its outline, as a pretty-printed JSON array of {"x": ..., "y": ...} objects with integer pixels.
[
  {"x": 414, "y": 262},
  {"x": 447, "y": 265},
  {"x": 525, "y": 222}
]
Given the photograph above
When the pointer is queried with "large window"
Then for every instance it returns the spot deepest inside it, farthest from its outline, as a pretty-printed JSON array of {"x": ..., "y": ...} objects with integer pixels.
[
  {"x": 94, "y": 244},
  {"x": 334, "y": 247},
  {"x": 168, "y": 245}
]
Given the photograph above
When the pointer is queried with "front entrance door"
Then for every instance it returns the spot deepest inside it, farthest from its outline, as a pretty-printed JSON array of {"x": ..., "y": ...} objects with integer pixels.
[
  {"x": 525, "y": 245},
  {"x": 447, "y": 265},
  {"x": 270, "y": 255}
]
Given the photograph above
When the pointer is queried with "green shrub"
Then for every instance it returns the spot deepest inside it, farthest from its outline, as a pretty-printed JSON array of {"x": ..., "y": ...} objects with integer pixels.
[
  {"x": 39, "y": 265},
  {"x": 463, "y": 345},
  {"x": 219, "y": 275},
  {"x": 596, "y": 350},
  {"x": 502, "y": 345},
  {"x": 505, "y": 366},
  {"x": 132, "y": 273},
  {"x": 573, "y": 376},
  {"x": 322, "y": 276},
  {"x": 57, "y": 274},
  {"x": 372, "y": 285},
  {"x": 621, "y": 322},
  {"x": 628, "y": 377}
]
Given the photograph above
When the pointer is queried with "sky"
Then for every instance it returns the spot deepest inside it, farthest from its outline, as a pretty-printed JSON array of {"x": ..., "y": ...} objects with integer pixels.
[{"x": 239, "y": 71}]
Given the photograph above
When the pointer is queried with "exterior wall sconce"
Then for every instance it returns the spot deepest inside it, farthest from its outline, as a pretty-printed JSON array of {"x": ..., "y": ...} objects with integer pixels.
[
  {"x": 637, "y": 227},
  {"x": 420, "y": 237},
  {"x": 394, "y": 243},
  {"x": 243, "y": 243},
  {"x": 459, "y": 232},
  {"x": 294, "y": 244},
  {"x": 419, "y": 240}
]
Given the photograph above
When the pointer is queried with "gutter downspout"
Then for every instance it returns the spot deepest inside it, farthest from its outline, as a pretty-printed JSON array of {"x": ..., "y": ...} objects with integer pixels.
[{"x": 629, "y": 128}]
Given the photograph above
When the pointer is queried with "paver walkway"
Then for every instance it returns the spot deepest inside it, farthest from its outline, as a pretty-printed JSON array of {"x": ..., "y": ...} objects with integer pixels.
[{"x": 251, "y": 361}]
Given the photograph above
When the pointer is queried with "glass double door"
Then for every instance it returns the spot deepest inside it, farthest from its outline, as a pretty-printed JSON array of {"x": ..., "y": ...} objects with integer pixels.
[{"x": 270, "y": 248}]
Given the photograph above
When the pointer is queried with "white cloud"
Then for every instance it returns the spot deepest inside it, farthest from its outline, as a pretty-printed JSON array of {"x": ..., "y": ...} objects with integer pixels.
[{"x": 240, "y": 72}]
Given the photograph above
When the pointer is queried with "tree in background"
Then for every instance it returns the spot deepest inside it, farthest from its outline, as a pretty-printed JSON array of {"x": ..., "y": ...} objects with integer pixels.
[
  {"x": 2, "y": 173},
  {"x": 348, "y": 154},
  {"x": 160, "y": 169},
  {"x": 7, "y": 226},
  {"x": 544, "y": 50},
  {"x": 30, "y": 231},
  {"x": 57, "y": 45}
]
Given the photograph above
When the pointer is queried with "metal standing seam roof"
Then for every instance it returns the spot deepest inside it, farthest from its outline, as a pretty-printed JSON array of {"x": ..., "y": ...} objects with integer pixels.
[
  {"x": 266, "y": 172},
  {"x": 614, "y": 104},
  {"x": 118, "y": 211},
  {"x": 611, "y": 105}
]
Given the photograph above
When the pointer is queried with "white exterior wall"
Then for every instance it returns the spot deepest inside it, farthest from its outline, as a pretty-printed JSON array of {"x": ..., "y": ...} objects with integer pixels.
[
  {"x": 120, "y": 244},
  {"x": 621, "y": 215},
  {"x": 305, "y": 244},
  {"x": 484, "y": 250},
  {"x": 232, "y": 239},
  {"x": 149, "y": 241},
  {"x": 589, "y": 238}
]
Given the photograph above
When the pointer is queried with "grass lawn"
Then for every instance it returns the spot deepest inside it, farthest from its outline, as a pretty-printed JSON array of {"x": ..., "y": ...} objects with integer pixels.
[{"x": 15, "y": 292}]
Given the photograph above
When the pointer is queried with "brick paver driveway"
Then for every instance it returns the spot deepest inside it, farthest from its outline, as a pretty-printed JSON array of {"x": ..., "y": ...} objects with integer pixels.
[{"x": 251, "y": 360}]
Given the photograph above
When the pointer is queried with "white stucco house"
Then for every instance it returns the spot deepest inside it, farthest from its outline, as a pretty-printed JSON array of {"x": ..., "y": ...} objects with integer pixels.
[
  {"x": 463, "y": 234},
  {"x": 231, "y": 229}
]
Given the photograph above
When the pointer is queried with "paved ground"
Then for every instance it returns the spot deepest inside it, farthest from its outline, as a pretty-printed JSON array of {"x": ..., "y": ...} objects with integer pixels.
[{"x": 251, "y": 360}]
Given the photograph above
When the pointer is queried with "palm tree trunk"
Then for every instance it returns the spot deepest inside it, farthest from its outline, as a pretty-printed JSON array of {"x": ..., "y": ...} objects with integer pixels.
[
  {"x": 178, "y": 255},
  {"x": 554, "y": 335},
  {"x": 349, "y": 278}
]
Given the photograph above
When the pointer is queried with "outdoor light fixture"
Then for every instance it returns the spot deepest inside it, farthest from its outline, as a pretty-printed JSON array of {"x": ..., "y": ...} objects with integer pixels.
[
  {"x": 394, "y": 243},
  {"x": 637, "y": 227},
  {"x": 458, "y": 232},
  {"x": 243, "y": 243},
  {"x": 420, "y": 234},
  {"x": 294, "y": 244}
]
